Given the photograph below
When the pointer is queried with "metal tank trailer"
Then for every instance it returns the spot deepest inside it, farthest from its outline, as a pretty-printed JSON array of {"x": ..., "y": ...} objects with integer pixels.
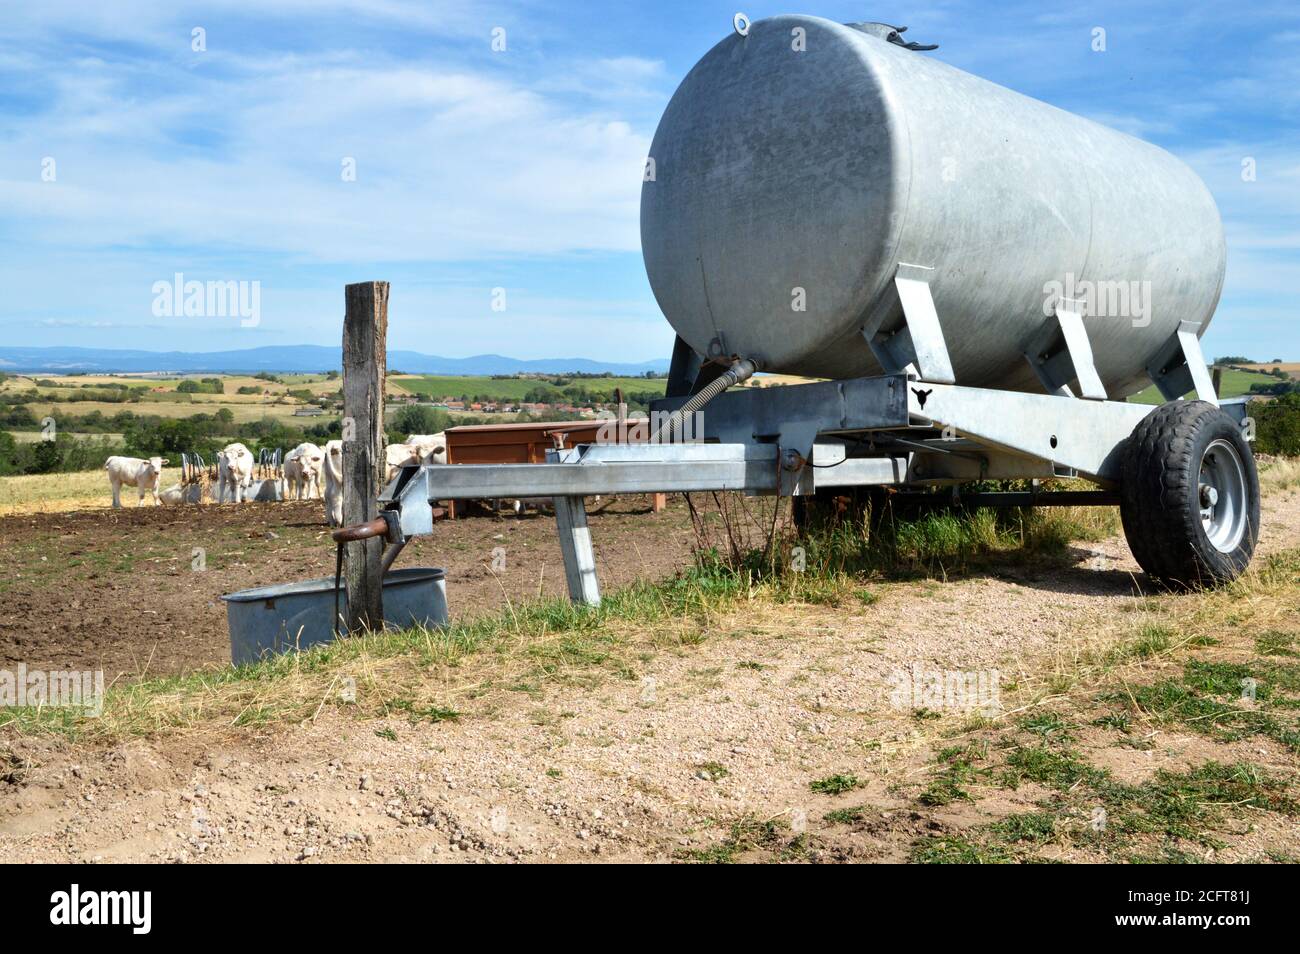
[{"x": 982, "y": 277}]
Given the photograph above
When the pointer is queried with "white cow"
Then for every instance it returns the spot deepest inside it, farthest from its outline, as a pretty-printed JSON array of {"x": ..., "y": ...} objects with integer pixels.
[
  {"x": 397, "y": 456},
  {"x": 333, "y": 468},
  {"x": 431, "y": 448},
  {"x": 302, "y": 467},
  {"x": 173, "y": 495},
  {"x": 134, "y": 472},
  {"x": 234, "y": 471}
]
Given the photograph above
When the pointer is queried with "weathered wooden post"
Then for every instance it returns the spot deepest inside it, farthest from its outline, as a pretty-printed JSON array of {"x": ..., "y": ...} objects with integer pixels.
[{"x": 365, "y": 337}]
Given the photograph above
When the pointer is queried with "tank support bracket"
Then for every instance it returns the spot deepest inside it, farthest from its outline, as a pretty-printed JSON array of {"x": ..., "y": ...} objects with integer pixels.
[
  {"x": 1179, "y": 366},
  {"x": 914, "y": 346},
  {"x": 1059, "y": 352}
]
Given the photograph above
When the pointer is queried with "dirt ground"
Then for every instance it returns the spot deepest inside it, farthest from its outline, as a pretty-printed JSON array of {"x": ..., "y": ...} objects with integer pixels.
[
  {"x": 710, "y": 748},
  {"x": 118, "y": 590}
]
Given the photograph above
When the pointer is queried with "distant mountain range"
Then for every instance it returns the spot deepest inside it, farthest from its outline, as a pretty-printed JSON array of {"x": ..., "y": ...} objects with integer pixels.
[{"x": 291, "y": 358}]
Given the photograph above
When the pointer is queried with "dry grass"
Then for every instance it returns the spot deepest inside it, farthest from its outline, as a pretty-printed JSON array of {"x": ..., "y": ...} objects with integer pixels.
[
  {"x": 1280, "y": 474},
  {"x": 428, "y": 674},
  {"x": 420, "y": 672},
  {"x": 31, "y": 437},
  {"x": 59, "y": 493},
  {"x": 1148, "y": 637},
  {"x": 242, "y": 412},
  {"x": 1290, "y": 367},
  {"x": 274, "y": 402}
]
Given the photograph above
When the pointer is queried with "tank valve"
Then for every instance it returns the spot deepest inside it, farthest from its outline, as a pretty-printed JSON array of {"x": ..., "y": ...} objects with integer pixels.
[{"x": 891, "y": 34}]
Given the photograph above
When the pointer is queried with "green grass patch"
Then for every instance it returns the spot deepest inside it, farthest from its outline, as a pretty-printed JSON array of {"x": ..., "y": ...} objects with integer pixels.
[
  {"x": 749, "y": 835},
  {"x": 1061, "y": 770},
  {"x": 957, "y": 850},
  {"x": 1047, "y": 725},
  {"x": 1189, "y": 805},
  {"x": 1227, "y": 701},
  {"x": 835, "y": 784},
  {"x": 846, "y": 816},
  {"x": 1035, "y": 827},
  {"x": 1151, "y": 641}
]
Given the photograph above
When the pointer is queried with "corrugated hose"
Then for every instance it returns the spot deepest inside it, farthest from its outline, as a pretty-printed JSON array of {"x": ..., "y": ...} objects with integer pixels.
[{"x": 742, "y": 370}]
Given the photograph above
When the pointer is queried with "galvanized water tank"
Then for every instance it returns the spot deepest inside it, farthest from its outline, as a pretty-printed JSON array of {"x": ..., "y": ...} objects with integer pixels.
[{"x": 777, "y": 169}]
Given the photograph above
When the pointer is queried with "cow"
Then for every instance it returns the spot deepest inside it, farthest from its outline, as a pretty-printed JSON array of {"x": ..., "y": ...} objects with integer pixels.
[
  {"x": 134, "y": 472},
  {"x": 173, "y": 495},
  {"x": 431, "y": 448},
  {"x": 333, "y": 468},
  {"x": 302, "y": 467},
  {"x": 234, "y": 471},
  {"x": 420, "y": 449},
  {"x": 397, "y": 456}
]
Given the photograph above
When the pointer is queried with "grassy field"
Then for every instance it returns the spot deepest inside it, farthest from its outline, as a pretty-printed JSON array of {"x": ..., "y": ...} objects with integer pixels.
[
  {"x": 274, "y": 401},
  {"x": 315, "y": 382},
  {"x": 31, "y": 437},
  {"x": 1234, "y": 384},
  {"x": 58, "y": 493},
  {"x": 241, "y": 411},
  {"x": 1290, "y": 367},
  {"x": 512, "y": 389}
]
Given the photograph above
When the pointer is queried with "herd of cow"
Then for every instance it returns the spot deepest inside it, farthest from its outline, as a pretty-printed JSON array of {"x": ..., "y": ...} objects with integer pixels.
[{"x": 302, "y": 472}]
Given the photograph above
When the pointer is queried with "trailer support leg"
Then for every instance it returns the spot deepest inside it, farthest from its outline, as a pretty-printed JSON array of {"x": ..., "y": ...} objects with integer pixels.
[
  {"x": 1060, "y": 351},
  {"x": 1179, "y": 367},
  {"x": 915, "y": 346},
  {"x": 575, "y": 544}
]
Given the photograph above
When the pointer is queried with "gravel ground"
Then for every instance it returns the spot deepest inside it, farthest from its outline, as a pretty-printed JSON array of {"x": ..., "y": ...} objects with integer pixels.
[{"x": 732, "y": 726}]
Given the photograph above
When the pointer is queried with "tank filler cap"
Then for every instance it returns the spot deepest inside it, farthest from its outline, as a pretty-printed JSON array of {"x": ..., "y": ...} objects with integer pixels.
[{"x": 891, "y": 34}]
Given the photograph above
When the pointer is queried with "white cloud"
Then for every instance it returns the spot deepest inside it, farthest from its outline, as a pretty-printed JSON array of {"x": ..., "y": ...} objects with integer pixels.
[{"x": 449, "y": 165}]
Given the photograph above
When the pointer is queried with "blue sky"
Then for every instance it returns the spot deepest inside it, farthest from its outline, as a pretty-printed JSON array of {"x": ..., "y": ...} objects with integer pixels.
[{"x": 519, "y": 169}]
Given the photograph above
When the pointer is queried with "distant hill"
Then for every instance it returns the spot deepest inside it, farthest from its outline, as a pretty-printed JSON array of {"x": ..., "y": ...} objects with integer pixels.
[{"x": 291, "y": 358}]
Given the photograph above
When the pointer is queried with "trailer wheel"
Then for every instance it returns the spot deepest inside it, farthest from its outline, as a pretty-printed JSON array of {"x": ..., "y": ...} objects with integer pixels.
[{"x": 1189, "y": 498}]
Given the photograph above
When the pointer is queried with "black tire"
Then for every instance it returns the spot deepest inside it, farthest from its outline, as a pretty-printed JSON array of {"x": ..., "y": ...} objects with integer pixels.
[{"x": 1174, "y": 454}]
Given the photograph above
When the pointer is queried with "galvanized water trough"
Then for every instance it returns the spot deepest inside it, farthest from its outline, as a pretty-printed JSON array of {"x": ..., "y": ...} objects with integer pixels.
[{"x": 292, "y": 616}]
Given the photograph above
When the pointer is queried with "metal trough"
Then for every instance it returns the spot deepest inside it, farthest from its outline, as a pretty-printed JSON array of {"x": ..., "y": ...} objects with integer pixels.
[
  {"x": 270, "y": 488},
  {"x": 275, "y": 619}
]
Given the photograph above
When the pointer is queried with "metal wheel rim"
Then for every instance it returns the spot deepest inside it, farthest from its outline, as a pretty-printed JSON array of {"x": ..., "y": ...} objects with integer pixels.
[{"x": 1221, "y": 495}]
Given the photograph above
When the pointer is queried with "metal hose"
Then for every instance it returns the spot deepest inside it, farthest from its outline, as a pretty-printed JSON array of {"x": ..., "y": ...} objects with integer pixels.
[{"x": 742, "y": 370}]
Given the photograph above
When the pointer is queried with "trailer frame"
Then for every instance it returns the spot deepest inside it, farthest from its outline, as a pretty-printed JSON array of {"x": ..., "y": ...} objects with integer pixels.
[{"x": 909, "y": 427}]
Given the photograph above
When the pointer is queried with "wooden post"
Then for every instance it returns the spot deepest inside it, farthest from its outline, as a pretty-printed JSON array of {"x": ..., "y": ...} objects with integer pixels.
[{"x": 365, "y": 358}]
